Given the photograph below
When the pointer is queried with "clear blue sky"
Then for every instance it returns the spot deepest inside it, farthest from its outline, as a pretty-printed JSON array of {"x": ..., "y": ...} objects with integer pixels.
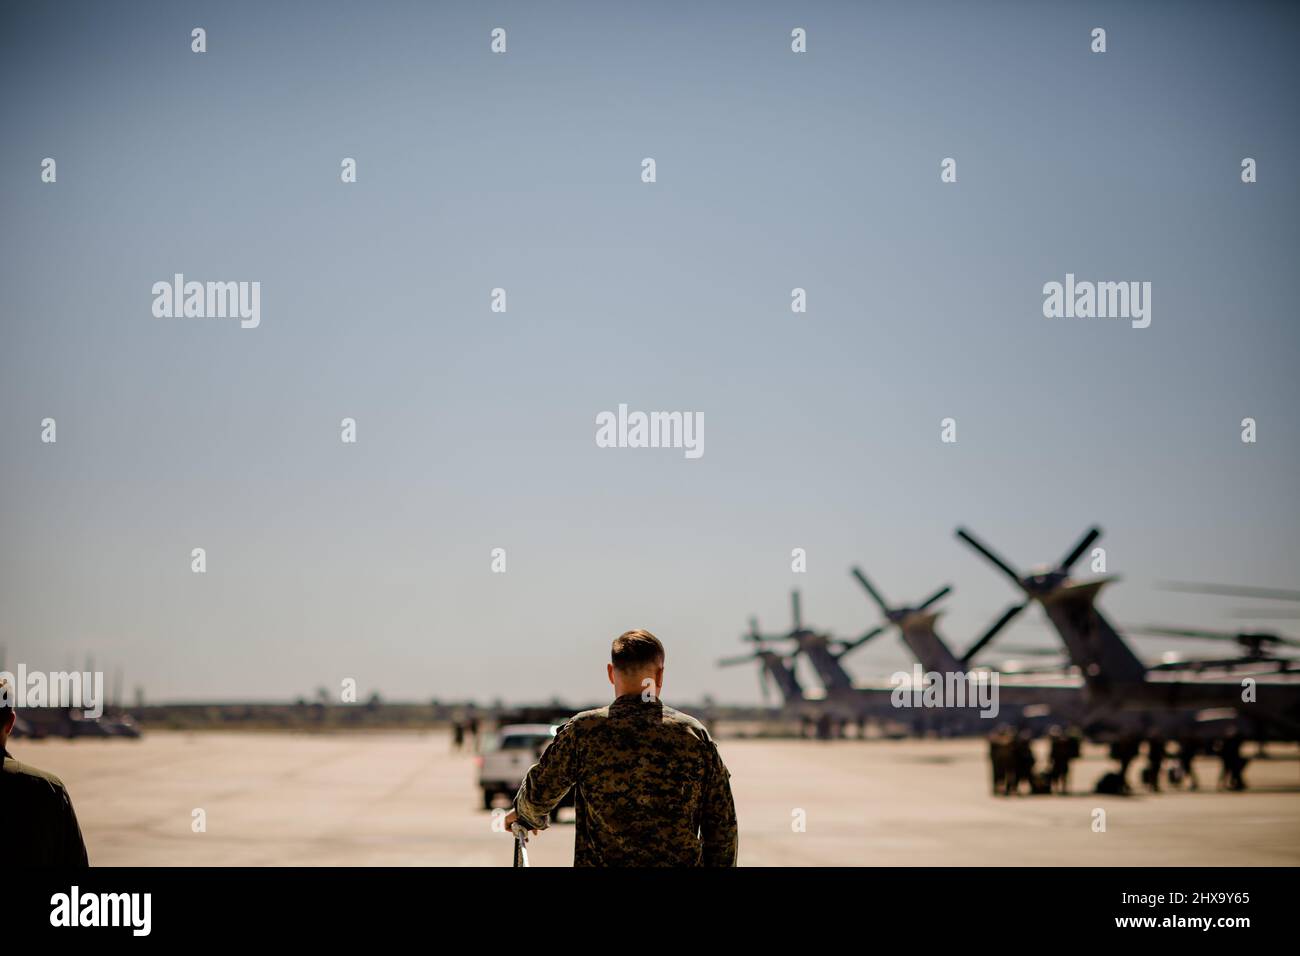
[{"x": 476, "y": 430}]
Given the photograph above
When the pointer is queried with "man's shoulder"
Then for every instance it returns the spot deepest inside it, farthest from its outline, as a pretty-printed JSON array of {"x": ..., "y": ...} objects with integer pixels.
[
  {"x": 22, "y": 774},
  {"x": 586, "y": 718},
  {"x": 686, "y": 722}
]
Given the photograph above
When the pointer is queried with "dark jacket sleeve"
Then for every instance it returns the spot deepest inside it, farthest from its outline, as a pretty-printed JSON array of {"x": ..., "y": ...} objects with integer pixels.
[
  {"x": 74, "y": 847},
  {"x": 549, "y": 779},
  {"x": 718, "y": 822}
]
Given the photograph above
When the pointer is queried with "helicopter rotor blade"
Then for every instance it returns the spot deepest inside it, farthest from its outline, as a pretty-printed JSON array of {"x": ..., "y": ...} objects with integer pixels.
[
  {"x": 1230, "y": 590},
  {"x": 875, "y": 595},
  {"x": 1092, "y": 535},
  {"x": 1033, "y": 651},
  {"x": 732, "y": 661},
  {"x": 753, "y": 634},
  {"x": 942, "y": 592},
  {"x": 1157, "y": 631},
  {"x": 858, "y": 642},
  {"x": 1006, "y": 569},
  {"x": 1265, "y": 613},
  {"x": 1248, "y": 638},
  {"x": 998, "y": 625}
]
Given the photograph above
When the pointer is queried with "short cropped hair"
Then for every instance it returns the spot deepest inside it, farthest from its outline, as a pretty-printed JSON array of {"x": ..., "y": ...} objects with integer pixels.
[
  {"x": 7, "y": 702},
  {"x": 635, "y": 650}
]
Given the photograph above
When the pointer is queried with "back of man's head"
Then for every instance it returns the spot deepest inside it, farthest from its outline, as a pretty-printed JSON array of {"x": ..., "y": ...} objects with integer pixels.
[
  {"x": 7, "y": 709},
  {"x": 636, "y": 652}
]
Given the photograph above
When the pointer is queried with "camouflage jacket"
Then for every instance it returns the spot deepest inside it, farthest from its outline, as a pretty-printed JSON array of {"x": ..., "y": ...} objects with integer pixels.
[
  {"x": 649, "y": 788},
  {"x": 40, "y": 826}
]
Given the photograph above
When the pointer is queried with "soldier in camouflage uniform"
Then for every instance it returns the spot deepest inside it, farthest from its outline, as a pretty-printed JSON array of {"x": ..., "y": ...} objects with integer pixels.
[
  {"x": 651, "y": 789},
  {"x": 40, "y": 826}
]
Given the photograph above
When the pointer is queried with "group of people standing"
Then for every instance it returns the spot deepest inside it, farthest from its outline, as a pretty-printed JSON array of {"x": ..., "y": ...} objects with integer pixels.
[
  {"x": 1015, "y": 768},
  {"x": 1227, "y": 748}
]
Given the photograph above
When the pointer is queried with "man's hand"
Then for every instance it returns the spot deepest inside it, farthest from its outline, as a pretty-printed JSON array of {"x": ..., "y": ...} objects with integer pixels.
[{"x": 511, "y": 819}]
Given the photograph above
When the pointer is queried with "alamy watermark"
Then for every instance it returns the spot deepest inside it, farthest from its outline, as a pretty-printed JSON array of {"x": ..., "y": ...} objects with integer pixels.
[
  {"x": 927, "y": 689},
  {"x": 208, "y": 300},
  {"x": 626, "y": 429},
  {"x": 1101, "y": 300},
  {"x": 132, "y": 911},
  {"x": 62, "y": 689}
]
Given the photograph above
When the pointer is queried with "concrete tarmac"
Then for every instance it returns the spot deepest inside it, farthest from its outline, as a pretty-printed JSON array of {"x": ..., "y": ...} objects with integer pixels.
[{"x": 362, "y": 799}]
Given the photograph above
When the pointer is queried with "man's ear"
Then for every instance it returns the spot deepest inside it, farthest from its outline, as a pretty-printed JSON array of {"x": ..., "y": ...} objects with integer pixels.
[
  {"x": 10, "y": 721},
  {"x": 609, "y": 669}
]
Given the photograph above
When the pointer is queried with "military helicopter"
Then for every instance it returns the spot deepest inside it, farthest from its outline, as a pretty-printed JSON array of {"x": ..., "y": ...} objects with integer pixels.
[
  {"x": 1114, "y": 676},
  {"x": 846, "y": 699},
  {"x": 840, "y": 699},
  {"x": 823, "y": 651},
  {"x": 776, "y": 669},
  {"x": 1025, "y": 695},
  {"x": 1259, "y": 647}
]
